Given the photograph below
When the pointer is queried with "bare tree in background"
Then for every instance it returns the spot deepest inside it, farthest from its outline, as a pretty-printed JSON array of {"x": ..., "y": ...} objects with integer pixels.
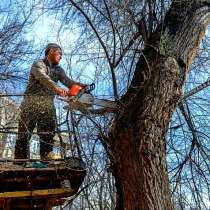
[
  {"x": 14, "y": 54},
  {"x": 14, "y": 47}
]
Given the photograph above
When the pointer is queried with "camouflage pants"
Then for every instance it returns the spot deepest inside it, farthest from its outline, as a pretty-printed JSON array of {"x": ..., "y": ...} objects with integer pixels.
[{"x": 39, "y": 112}]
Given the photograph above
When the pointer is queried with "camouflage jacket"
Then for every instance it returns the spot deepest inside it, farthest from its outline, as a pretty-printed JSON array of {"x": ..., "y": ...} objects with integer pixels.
[{"x": 43, "y": 78}]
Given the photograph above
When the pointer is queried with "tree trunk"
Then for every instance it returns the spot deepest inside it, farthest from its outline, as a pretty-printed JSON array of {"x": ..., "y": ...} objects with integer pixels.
[{"x": 137, "y": 138}]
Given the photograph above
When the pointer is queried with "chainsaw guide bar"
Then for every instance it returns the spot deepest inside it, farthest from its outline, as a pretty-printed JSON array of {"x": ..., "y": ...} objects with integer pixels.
[{"x": 87, "y": 103}]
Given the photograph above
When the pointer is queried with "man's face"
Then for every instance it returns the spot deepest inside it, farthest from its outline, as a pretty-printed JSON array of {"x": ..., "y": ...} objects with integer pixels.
[{"x": 55, "y": 55}]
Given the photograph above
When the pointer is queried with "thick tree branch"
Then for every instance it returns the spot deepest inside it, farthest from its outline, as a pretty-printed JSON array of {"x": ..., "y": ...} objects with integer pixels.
[{"x": 184, "y": 27}]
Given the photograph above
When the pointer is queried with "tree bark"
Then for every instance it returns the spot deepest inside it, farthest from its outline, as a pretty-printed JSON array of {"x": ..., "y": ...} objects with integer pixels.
[{"x": 137, "y": 138}]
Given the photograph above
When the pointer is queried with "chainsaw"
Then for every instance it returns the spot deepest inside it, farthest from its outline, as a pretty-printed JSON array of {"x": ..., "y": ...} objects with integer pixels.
[{"x": 81, "y": 99}]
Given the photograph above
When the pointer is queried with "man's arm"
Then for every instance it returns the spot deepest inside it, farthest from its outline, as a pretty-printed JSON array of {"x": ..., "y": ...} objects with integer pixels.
[
  {"x": 64, "y": 79},
  {"x": 39, "y": 71}
]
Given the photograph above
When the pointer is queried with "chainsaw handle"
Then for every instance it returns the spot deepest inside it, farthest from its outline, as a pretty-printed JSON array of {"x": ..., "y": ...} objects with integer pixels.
[
  {"x": 90, "y": 88},
  {"x": 87, "y": 89}
]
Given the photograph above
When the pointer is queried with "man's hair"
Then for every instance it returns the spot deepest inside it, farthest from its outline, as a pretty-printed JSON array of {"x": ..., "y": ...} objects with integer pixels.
[{"x": 51, "y": 46}]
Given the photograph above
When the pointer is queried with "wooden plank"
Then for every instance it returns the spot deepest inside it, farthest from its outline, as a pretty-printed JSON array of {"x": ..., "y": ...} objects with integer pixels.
[
  {"x": 5, "y": 204},
  {"x": 37, "y": 193}
]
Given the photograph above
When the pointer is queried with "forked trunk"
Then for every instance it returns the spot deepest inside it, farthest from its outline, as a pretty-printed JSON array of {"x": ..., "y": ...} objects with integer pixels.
[{"x": 137, "y": 138}]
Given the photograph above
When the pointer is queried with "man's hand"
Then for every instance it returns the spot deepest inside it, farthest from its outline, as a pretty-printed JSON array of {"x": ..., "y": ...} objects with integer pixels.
[{"x": 61, "y": 92}]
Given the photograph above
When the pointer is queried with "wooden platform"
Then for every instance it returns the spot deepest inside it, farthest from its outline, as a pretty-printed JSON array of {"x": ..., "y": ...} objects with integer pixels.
[{"x": 39, "y": 188}]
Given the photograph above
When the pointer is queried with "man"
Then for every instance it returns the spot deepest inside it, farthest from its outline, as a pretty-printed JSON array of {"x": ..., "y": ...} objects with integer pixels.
[{"x": 37, "y": 108}]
